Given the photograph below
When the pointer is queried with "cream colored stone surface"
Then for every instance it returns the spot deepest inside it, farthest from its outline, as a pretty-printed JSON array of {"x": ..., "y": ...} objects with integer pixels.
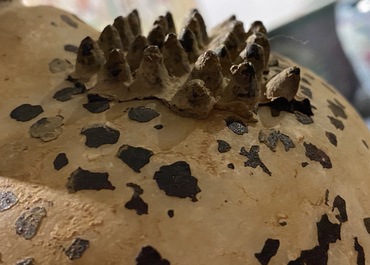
[{"x": 236, "y": 211}]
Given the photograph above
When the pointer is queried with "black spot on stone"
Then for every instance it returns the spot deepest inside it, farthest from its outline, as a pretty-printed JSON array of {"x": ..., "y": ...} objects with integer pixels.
[
  {"x": 7, "y": 200},
  {"x": 274, "y": 62},
  {"x": 137, "y": 189},
  {"x": 316, "y": 154},
  {"x": 176, "y": 180},
  {"x": 306, "y": 91},
  {"x": 96, "y": 103},
  {"x": 134, "y": 157},
  {"x": 316, "y": 256},
  {"x": 303, "y": 118},
  {"x": 81, "y": 179},
  {"x": 254, "y": 159},
  {"x": 65, "y": 94},
  {"x": 367, "y": 224},
  {"x": 171, "y": 213},
  {"x": 223, "y": 146},
  {"x": 268, "y": 251},
  {"x": 137, "y": 203},
  {"x": 282, "y": 104},
  {"x": 365, "y": 144},
  {"x": 28, "y": 222},
  {"x": 304, "y": 80},
  {"x": 69, "y": 21},
  {"x": 158, "y": 126},
  {"x": 26, "y": 261},
  {"x": 332, "y": 138},
  {"x": 231, "y": 166},
  {"x": 337, "y": 123},
  {"x": 283, "y": 223},
  {"x": 150, "y": 256},
  {"x": 99, "y": 134},
  {"x": 77, "y": 248},
  {"x": 340, "y": 204},
  {"x": 53, "y": 24},
  {"x": 71, "y": 48},
  {"x": 76, "y": 83},
  {"x": 327, "y": 197},
  {"x": 270, "y": 138},
  {"x": 327, "y": 232},
  {"x": 58, "y": 65},
  {"x": 142, "y": 114},
  {"x": 337, "y": 109},
  {"x": 304, "y": 164},
  {"x": 26, "y": 112},
  {"x": 47, "y": 129},
  {"x": 236, "y": 126},
  {"x": 60, "y": 161},
  {"x": 360, "y": 252}
]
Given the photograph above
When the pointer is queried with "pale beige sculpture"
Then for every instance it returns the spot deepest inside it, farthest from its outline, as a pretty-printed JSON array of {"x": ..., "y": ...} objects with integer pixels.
[{"x": 148, "y": 164}]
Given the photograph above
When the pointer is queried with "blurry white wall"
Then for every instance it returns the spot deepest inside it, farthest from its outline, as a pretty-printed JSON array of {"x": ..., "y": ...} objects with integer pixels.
[{"x": 100, "y": 13}]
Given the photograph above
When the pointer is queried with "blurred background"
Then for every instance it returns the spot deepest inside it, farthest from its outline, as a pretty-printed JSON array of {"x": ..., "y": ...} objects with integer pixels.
[{"x": 332, "y": 38}]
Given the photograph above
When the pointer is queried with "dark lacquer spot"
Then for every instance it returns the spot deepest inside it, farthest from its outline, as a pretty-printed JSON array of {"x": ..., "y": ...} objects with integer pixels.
[
  {"x": 316, "y": 256},
  {"x": 337, "y": 109},
  {"x": 158, "y": 126},
  {"x": 66, "y": 93},
  {"x": 81, "y": 179},
  {"x": 270, "y": 138},
  {"x": 365, "y": 144},
  {"x": 142, "y": 114},
  {"x": 231, "y": 166},
  {"x": 69, "y": 21},
  {"x": 134, "y": 157},
  {"x": 327, "y": 232},
  {"x": 60, "y": 161},
  {"x": 236, "y": 125},
  {"x": 318, "y": 155},
  {"x": 96, "y": 103},
  {"x": 282, "y": 104},
  {"x": 337, "y": 123},
  {"x": 26, "y": 261},
  {"x": 327, "y": 197},
  {"x": 71, "y": 48},
  {"x": 58, "y": 65},
  {"x": 100, "y": 134},
  {"x": 29, "y": 222},
  {"x": 150, "y": 256},
  {"x": 367, "y": 224},
  {"x": 223, "y": 146},
  {"x": 47, "y": 129},
  {"x": 26, "y": 112},
  {"x": 176, "y": 180},
  {"x": 340, "y": 204},
  {"x": 360, "y": 252},
  {"x": 306, "y": 91},
  {"x": 303, "y": 118},
  {"x": 254, "y": 159},
  {"x": 77, "y": 248},
  {"x": 137, "y": 203},
  {"x": 331, "y": 137},
  {"x": 268, "y": 251},
  {"x": 304, "y": 80},
  {"x": 7, "y": 200},
  {"x": 171, "y": 213},
  {"x": 304, "y": 164}
]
